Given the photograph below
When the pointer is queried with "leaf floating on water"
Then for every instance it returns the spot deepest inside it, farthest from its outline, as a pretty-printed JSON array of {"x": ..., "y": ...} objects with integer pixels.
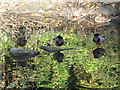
[{"x": 53, "y": 49}]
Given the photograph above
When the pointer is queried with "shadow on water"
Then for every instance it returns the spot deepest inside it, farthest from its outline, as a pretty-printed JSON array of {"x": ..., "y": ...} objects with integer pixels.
[
  {"x": 12, "y": 67},
  {"x": 72, "y": 80},
  {"x": 8, "y": 70}
]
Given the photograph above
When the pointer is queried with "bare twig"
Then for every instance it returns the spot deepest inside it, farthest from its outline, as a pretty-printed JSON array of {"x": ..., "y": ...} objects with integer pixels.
[{"x": 88, "y": 13}]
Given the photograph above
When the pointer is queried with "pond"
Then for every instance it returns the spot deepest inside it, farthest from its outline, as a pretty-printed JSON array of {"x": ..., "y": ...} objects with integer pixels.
[
  {"x": 75, "y": 68},
  {"x": 30, "y": 59}
]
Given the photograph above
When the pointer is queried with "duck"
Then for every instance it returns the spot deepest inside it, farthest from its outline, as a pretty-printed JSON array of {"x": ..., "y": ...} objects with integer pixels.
[
  {"x": 58, "y": 41},
  {"x": 98, "y": 38}
]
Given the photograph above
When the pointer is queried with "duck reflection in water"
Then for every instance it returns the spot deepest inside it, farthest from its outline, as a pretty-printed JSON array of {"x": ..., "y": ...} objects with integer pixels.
[
  {"x": 58, "y": 56},
  {"x": 22, "y": 63},
  {"x": 21, "y": 41},
  {"x": 98, "y": 52}
]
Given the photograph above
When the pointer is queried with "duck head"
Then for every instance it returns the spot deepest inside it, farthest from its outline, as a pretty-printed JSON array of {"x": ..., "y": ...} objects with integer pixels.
[
  {"x": 98, "y": 39},
  {"x": 58, "y": 40}
]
